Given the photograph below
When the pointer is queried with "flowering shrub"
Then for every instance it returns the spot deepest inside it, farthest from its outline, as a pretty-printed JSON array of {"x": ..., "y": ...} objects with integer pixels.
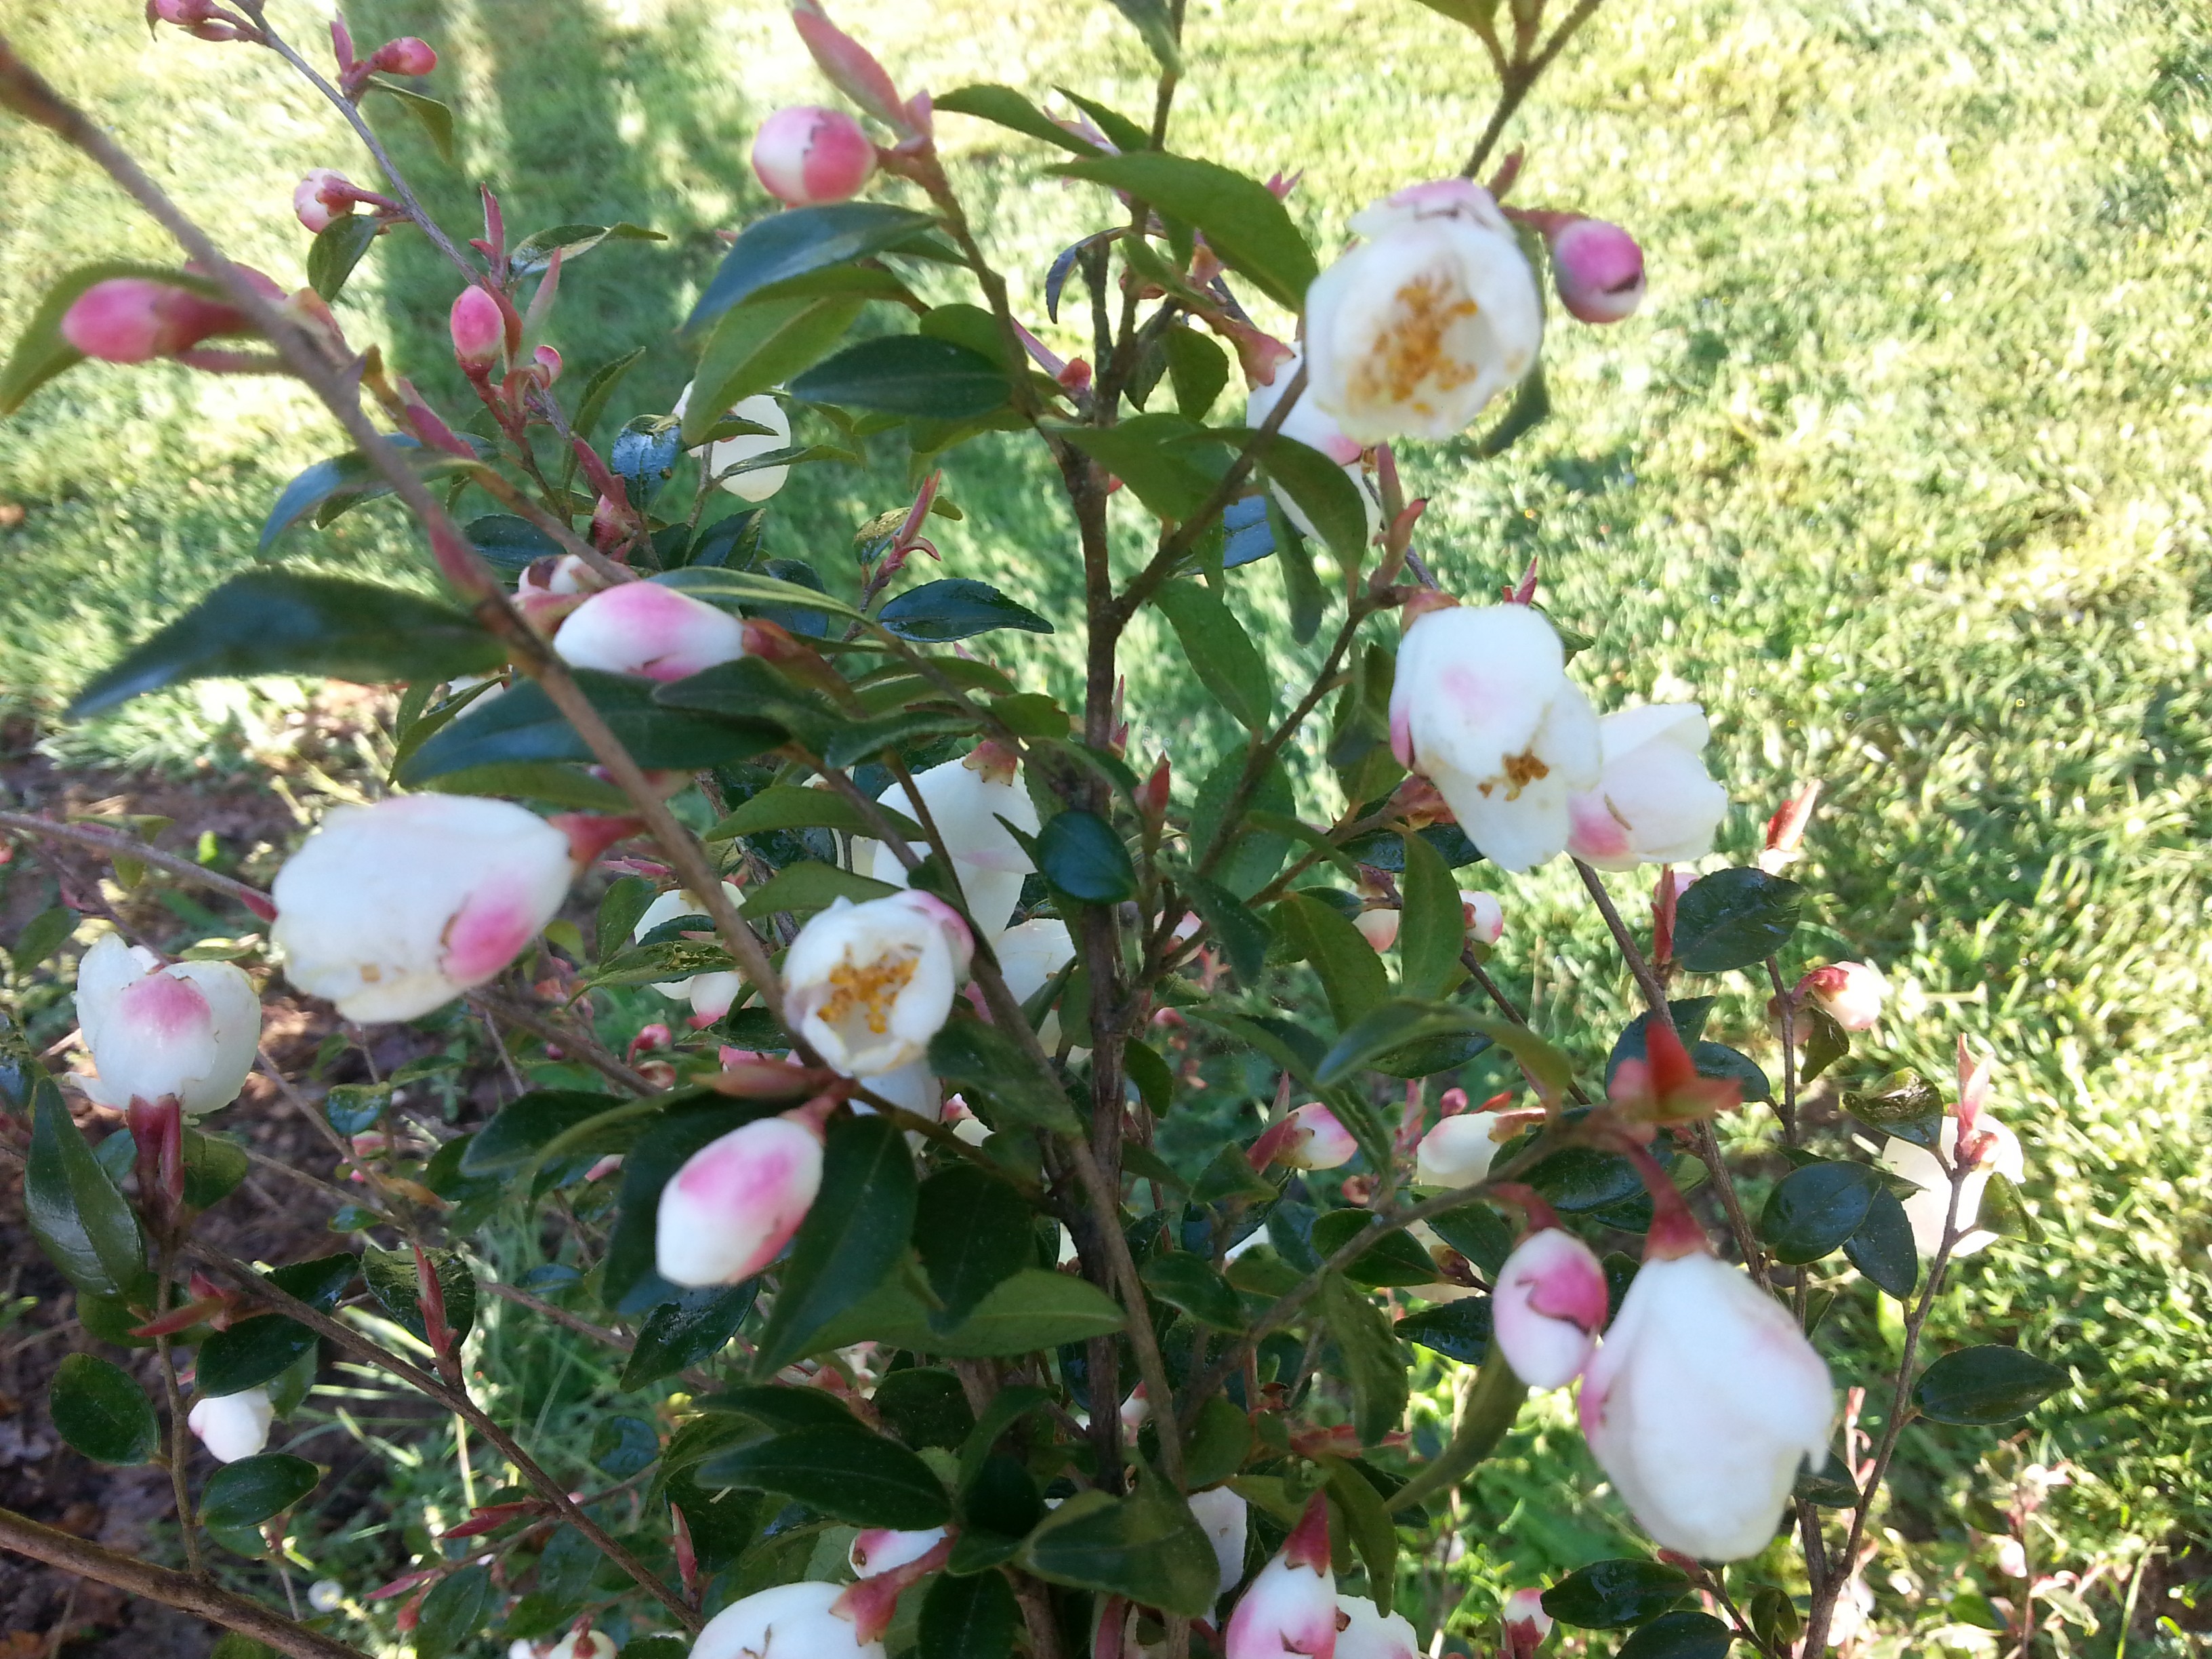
[{"x": 887, "y": 1195}]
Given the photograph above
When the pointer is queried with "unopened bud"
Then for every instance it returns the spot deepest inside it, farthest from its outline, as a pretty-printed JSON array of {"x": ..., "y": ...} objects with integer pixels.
[
  {"x": 1525, "y": 1623},
  {"x": 323, "y": 197},
  {"x": 406, "y": 56},
  {"x": 134, "y": 320},
  {"x": 1379, "y": 927},
  {"x": 807, "y": 155},
  {"x": 1309, "y": 1139},
  {"x": 479, "y": 330},
  {"x": 1850, "y": 992},
  {"x": 1485, "y": 916},
  {"x": 187, "y": 1031},
  {"x": 1597, "y": 269},
  {"x": 549, "y": 364},
  {"x": 233, "y": 1425},
  {"x": 1548, "y": 1308},
  {"x": 642, "y": 627},
  {"x": 737, "y": 1201}
]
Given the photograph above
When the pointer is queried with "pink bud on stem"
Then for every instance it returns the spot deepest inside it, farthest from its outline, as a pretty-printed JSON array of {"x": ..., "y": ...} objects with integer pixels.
[
  {"x": 807, "y": 155},
  {"x": 479, "y": 330},
  {"x": 1549, "y": 1306},
  {"x": 853, "y": 70},
  {"x": 1597, "y": 269},
  {"x": 134, "y": 320}
]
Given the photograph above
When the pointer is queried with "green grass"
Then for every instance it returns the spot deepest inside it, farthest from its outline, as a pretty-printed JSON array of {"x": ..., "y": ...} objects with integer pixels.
[{"x": 1902, "y": 469}]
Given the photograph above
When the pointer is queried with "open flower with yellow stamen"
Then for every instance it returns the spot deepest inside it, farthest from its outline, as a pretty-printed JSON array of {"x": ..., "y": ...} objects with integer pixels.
[
  {"x": 1410, "y": 333},
  {"x": 869, "y": 984}
]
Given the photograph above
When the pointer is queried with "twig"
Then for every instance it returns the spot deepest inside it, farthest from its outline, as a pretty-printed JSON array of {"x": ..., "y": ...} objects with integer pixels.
[
  {"x": 115, "y": 845},
  {"x": 1515, "y": 80}
]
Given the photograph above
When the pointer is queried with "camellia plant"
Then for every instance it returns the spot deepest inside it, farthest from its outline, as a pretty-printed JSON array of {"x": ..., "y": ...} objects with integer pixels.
[{"x": 884, "y": 1190}]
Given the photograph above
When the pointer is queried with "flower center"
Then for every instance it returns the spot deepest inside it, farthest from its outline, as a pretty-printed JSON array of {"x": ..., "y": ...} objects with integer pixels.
[
  {"x": 1521, "y": 771},
  {"x": 1410, "y": 353},
  {"x": 868, "y": 989}
]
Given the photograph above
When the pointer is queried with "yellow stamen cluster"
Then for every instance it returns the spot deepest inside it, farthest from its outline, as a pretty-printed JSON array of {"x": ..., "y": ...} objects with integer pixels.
[
  {"x": 869, "y": 988},
  {"x": 1410, "y": 353}
]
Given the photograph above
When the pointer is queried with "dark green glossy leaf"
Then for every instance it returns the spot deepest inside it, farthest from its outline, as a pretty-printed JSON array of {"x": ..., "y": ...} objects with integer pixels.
[
  {"x": 1820, "y": 1042},
  {"x": 282, "y": 622},
  {"x": 1985, "y": 1385},
  {"x": 1882, "y": 1247},
  {"x": 1242, "y": 221},
  {"x": 780, "y": 1407},
  {"x": 850, "y": 1244},
  {"x": 925, "y": 1406},
  {"x": 995, "y": 1073},
  {"x": 760, "y": 344},
  {"x": 848, "y": 1474},
  {"x": 1250, "y": 857},
  {"x": 1432, "y": 926},
  {"x": 395, "y": 1280},
  {"x": 1169, "y": 462},
  {"x": 1615, "y": 1594},
  {"x": 250, "y": 1352},
  {"x": 247, "y": 1493},
  {"x": 1458, "y": 1330},
  {"x": 512, "y": 1139},
  {"x": 643, "y": 455},
  {"x": 1774, "y": 1618},
  {"x": 457, "y": 1608},
  {"x": 1352, "y": 975},
  {"x": 2005, "y": 1212},
  {"x": 1477, "y": 1232},
  {"x": 687, "y": 1332},
  {"x": 336, "y": 249},
  {"x": 973, "y": 1234},
  {"x": 1322, "y": 489},
  {"x": 623, "y": 1446},
  {"x": 41, "y": 937},
  {"x": 333, "y": 487},
  {"x": 797, "y": 241},
  {"x": 1220, "y": 1440},
  {"x": 906, "y": 374},
  {"x": 1219, "y": 651},
  {"x": 100, "y": 1410},
  {"x": 802, "y": 889},
  {"x": 1734, "y": 918},
  {"x": 1690, "y": 1015},
  {"x": 1198, "y": 369},
  {"x": 1147, "y": 1546},
  {"x": 1903, "y": 1104},
  {"x": 524, "y": 725},
  {"x": 75, "y": 1213},
  {"x": 1375, "y": 1365},
  {"x": 436, "y": 121},
  {"x": 1036, "y": 1308},
  {"x": 791, "y": 806},
  {"x": 956, "y": 608},
  {"x": 1393, "y": 1259},
  {"x": 1685, "y": 1635},
  {"x": 535, "y": 252},
  {"x": 1367, "y": 1518},
  {"x": 1232, "y": 925},
  {"x": 1830, "y": 1486},
  {"x": 1581, "y": 1178},
  {"x": 972, "y": 1616},
  {"x": 1812, "y": 1210},
  {"x": 508, "y": 543},
  {"x": 318, "y": 1282},
  {"x": 1395, "y": 1027},
  {"x": 1081, "y": 856},
  {"x": 1190, "y": 1283},
  {"x": 1007, "y": 107}
]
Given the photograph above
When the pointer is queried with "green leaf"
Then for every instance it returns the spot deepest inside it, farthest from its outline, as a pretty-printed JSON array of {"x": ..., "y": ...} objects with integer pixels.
[
  {"x": 336, "y": 249},
  {"x": 41, "y": 936},
  {"x": 1734, "y": 918},
  {"x": 1220, "y": 653},
  {"x": 1374, "y": 1534},
  {"x": 41, "y": 353},
  {"x": 1685, "y": 1635},
  {"x": 664, "y": 960},
  {"x": 1301, "y": 583},
  {"x": 1432, "y": 926},
  {"x": 1395, "y": 1258},
  {"x": 692, "y": 1329},
  {"x": 535, "y": 252},
  {"x": 1615, "y": 1594},
  {"x": 1147, "y": 1546},
  {"x": 1250, "y": 857},
  {"x": 1036, "y": 1308},
  {"x": 1322, "y": 488},
  {"x": 1121, "y": 131},
  {"x": 1821, "y": 1042},
  {"x": 1458, "y": 1330},
  {"x": 1170, "y": 463},
  {"x": 524, "y": 725},
  {"x": 973, "y": 1234},
  {"x": 1232, "y": 925},
  {"x": 1882, "y": 1247},
  {"x": 991, "y": 1070},
  {"x": 925, "y": 1406},
  {"x": 780, "y": 1407},
  {"x": 1352, "y": 975},
  {"x": 250, "y": 1353},
  {"x": 1904, "y": 1104},
  {"x": 100, "y": 1410},
  {"x": 1242, "y": 221},
  {"x": 1374, "y": 1365},
  {"x": 599, "y": 389},
  {"x": 797, "y": 241},
  {"x": 1006, "y": 107},
  {"x": 437, "y": 122},
  {"x": 850, "y": 1244},
  {"x": 804, "y": 888},
  {"x": 1198, "y": 369},
  {"x": 1985, "y": 1385},
  {"x": 247, "y": 1493},
  {"x": 1220, "y": 1440},
  {"x": 1530, "y": 408},
  {"x": 511, "y": 1140},
  {"x": 1078, "y": 853},
  {"x": 396, "y": 1281},
  {"x": 75, "y": 1213},
  {"x": 319, "y": 1283},
  {"x": 848, "y": 1474},
  {"x": 1812, "y": 1210},
  {"x": 1395, "y": 1027},
  {"x": 457, "y": 1607},
  {"x": 336, "y": 486},
  {"x": 1775, "y": 1618},
  {"x": 1192, "y": 1283},
  {"x": 906, "y": 374},
  {"x": 956, "y": 608},
  {"x": 1152, "y": 21},
  {"x": 760, "y": 344},
  {"x": 1477, "y": 1232},
  {"x": 282, "y": 622},
  {"x": 1287, "y": 1043},
  {"x": 2005, "y": 1213},
  {"x": 793, "y": 806},
  {"x": 972, "y": 1616}
]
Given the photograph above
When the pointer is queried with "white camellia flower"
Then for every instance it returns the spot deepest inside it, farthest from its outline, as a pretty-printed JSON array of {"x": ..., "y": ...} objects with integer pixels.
[
  {"x": 880, "y": 1549},
  {"x": 1225, "y": 1519},
  {"x": 391, "y": 909},
  {"x": 1410, "y": 333},
  {"x": 1030, "y": 954},
  {"x": 1653, "y": 803},
  {"x": 761, "y": 482},
  {"x": 188, "y": 1031},
  {"x": 233, "y": 1425},
  {"x": 643, "y": 628},
  {"x": 1703, "y": 1401},
  {"x": 871, "y": 983},
  {"x": 1367, "y": 1632},
  {"x": 1290, "y": 1608},
  {"x": 1307, "y": 424},
  {"x": 1927, "y": 1209},
  {"x": 1548, "y": 1308},
  {"x": 1458, "y": 1152},
  {"x": 1850, "y": 992},
  {"x": 736, "y": 1202},
  {"x": 966, "y": 799},
  {"x": 709, "y": 994},
  {"x": 786, "y": 1621},
  {"x": 1483, "y": 708}
]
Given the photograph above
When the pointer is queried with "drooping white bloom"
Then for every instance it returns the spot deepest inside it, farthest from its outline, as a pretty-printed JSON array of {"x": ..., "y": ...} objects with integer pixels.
[
  {"x": 1702, "y": 1402},
  {"x": 1927, "y": 1208},
  {"x": 1368, "y": 1632},
  {"x": 1225, "y": 1518},
  {"x": 1410, "y": 333},
  {"x": 1310, "y": 1138},
  {"x": 1851, "y": 993},
  {"x": 1485, "y": 916},
  {"x": 1289, "y": 1610},
  {"x": 736, "y": 1202},
  {"x": 1548, "y": 1308},
  {"x": 643, "y": 628},
  {"x": 784, "y": 1621},
  {"x": 391, "y": 910},
  {"x": 1308, "y": 424},
  {"x": 966, "y": 799},
  {"x": 1458, "y": 1152},
  {"x": 1653, "y": 803},
  {"x": 871, "y": 983},
  {"x": 709, "y": 994},
  {"x": 761, "y": 482},
  {"x": 189, "y": 1030},
  {"x": 233, "y": 1425},
  {"x": 880, "y": 1549},
  {"x": 1482, "y": 708},
  {"x": 1030, "y": 954}
]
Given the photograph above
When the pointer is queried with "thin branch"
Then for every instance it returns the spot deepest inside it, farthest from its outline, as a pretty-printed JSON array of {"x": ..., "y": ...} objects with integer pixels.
[
  {"x": 115, "y": 845},
  {"x": 1516, "y": 78}
]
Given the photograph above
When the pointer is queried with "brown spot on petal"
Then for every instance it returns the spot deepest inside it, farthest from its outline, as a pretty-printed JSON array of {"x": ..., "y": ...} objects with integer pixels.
[{"x": 1521, "y": 771}]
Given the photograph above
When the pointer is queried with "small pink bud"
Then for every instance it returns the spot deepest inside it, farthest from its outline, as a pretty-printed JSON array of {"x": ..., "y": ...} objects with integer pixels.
[
  {"x": 1549, "y": 1305},
  {"x": 479, "y": 330},
  {"x": 852, "y": 69},
  {"x": 1525, "y": 1623},
  {"x": 806, "y": 155},
  {"x": 406, "y": 56},
  {"x": 1598, "y": 270},
  {"x": 1378, "y": 927},
  {"x": 735, "y": 1204},
  {"x": 1136, "y": 1411},
  {"x": 1485, "y": 916},
  {"x": 548, "y": 365},
  {"x": 1309, "y": 1139},
  {"x": 323, "y": 197},
  {"x": 134, "y": 320},
  {"x": 642, "y": 627},
  {"x": 1851, "y": 993}
]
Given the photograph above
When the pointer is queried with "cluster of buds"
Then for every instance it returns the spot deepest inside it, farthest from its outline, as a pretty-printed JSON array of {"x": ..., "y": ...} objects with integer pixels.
[
  {"x": 406, "y": 56},
  {"x": 136, "y": 319}
]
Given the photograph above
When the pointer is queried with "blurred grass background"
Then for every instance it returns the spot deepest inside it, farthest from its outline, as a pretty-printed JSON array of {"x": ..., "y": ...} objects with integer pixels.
[{"x": 1902, "y": 469}]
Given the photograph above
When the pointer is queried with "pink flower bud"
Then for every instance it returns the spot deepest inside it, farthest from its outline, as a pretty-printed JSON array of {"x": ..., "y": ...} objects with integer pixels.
[
  {"x": 737, "y": 1201},
  {"x": 642, "y": 627},
  {"x": 881, "y": 1550},
  {"x": 1365, "y": 1632},
  {"x": 1549, "y": 1306},
  {"x": 233, "y": 1425},
  {"x": 133, "y": 320},
  {"x": 1851, "y": 993},
  {"x": 1597, "y": 269},
  {"x": 406, "y": 56},
  {"x": 806, "y": 155},
  {"x": 1525, "y": 1623},
  {"x": 1378, "y": 927},
  {"x": 324, "y": 196},
  {"x": 549, "y": 364},
  {"x": 1310, "y": 1138},
  {"x": 787, "y": 1621},
  {"x": 187, "y": 1031},
  {"x": 479, "y": 330},
  {"x": 1485, "y": 916},
  {"x": 852, "y": 69},
  {"x": 1290, "y": 1609},
  {"x": 1459, "y": 1151}
]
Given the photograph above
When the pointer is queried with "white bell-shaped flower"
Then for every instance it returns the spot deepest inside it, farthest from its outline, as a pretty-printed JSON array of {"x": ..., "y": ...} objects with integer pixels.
[
  {"x": 709, "y": 994},
  {"x": 736, "y": 1202},
  {"x": 1030, "y": 954},
  {"x": 1928, "y": 1209},
  {"x": 966, "y": 799},
  {"x": 391, "y": 909},
  {"x": 1654, "y": 803},
  {"x": 760, "y": 482},
  {"x": 1289, "y": 1610},
  {"x": 231, "y": 1425},
  {"x": 869, "y": 984},
  {"x": 643, "y": 628},
  {"x": 1458, "y": 1152},
  {"x": 1365, "y": 1632},
  {"x": 881, "y": 1549},
  {"x": 188, "y": 1031},
  {"x": 1225, "y": 1518},
  {"x": 784, "y": 1621},
  {"x": 1548, "y": 1308}
]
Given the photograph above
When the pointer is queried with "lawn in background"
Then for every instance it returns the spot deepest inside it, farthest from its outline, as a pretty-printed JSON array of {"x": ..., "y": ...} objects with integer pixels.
[{"x": 1902, "y": 469}]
